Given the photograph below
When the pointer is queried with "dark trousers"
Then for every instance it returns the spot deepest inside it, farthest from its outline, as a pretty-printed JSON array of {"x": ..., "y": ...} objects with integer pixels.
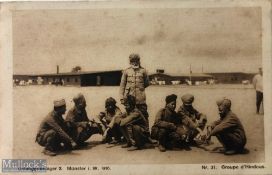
[
  {"x": 259, "y": 100},
  {"x": 114, "y": 132},
  {"x": 143, "y": 109},
  {"x": 52, "y": 141},
  {"x": 135, "y": 135},
  {"x": 168, "y": 138},
  {"x": 231, "y": 141},
  {"x": 82, "y": 131}
]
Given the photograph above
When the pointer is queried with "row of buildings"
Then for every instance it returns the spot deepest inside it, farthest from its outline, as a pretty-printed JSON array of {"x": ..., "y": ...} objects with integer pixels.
[{"x": 113, "y": 78}]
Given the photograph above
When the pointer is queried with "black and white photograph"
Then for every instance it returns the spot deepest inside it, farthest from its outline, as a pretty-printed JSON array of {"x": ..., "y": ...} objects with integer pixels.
[{"x": 98, "y": 87}]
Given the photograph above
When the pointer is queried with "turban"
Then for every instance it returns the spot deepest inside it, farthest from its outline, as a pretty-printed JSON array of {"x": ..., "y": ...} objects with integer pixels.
[
  {"x": 187, "y": 99},
  {"x": 170, "y": 98}
]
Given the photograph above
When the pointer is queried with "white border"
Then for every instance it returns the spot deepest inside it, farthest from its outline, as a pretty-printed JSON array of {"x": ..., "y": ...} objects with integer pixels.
[{"x": 6, "y": 122}]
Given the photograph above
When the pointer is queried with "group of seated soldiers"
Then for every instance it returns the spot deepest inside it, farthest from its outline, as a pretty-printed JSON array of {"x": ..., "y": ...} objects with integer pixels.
[{"x": 171, "y": 129}]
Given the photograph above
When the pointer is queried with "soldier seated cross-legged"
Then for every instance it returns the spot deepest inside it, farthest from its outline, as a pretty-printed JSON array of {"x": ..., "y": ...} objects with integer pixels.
[
  {"x": 134, "y": 126},
  {"x": 167, "y": 128},
  {"x": 81, "y": 127},
  {"x": 53, "y": 133},
  {"x": 228, "y": 130},
  {"x": 193, "y": 121},
  {"x": 108, "y": 120}
]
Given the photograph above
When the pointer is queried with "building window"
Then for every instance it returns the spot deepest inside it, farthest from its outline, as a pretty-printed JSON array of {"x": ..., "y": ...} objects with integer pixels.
[
  {"x": 68, "y": 79},
  {"x": 76, "y": 80}
]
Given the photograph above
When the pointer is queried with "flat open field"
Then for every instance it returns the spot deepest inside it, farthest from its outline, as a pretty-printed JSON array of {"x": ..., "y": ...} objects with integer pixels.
[{"x": 32, "y": 103}]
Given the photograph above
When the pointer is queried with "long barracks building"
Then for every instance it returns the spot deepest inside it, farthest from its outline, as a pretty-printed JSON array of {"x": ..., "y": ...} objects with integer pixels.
[{"x": 113, "y": 78}]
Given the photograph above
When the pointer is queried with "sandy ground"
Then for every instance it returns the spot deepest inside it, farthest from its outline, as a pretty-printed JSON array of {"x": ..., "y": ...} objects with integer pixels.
[{"x": 31, "y": 104}]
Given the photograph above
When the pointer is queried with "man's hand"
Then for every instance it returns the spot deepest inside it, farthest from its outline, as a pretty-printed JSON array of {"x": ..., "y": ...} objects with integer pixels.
[
  {"x": 208, "y": 137},
  {"x": 73, "y": 144},
  {"x": 122, "y": 101},
  {"x": 105, "y": 134},
  {"x": 173, "y": 127},
  {"x": 201, "y": 133},
  {"x": 102, "y": 114}
]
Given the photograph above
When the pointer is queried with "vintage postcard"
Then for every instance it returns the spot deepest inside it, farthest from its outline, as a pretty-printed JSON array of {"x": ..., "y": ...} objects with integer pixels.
[{"x": 136, "y": 87}]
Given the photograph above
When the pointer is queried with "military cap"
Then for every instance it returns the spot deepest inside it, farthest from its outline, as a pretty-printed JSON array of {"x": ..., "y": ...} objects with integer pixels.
[
  {"x": 130, "y": 100},
  {"x": 134, "y": 57},
  {"x": 79, "y": 97},
  {"x": 224, "y": 101},
  {"x": 110, "y": 101},
  {"x": 187, "y": 99},
  {"x": 59, "y": 103},
  {"x": 170, "y": 98}
]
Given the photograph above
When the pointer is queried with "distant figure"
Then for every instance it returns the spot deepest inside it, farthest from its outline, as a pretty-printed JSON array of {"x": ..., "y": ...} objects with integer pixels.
[
  {"x": 193, "y": 120},
  {"x": 258, "y": 86},
  {"x": 134, "y": 126},
  {"x": 81, "y": 127},
  {"x": 134, "y": 81},
  {"x": 108, "y": 119},
  {"x": 167, "y": 127},
  {"x": 228, "y": 129},
  {"x": 53, "y": 131}
]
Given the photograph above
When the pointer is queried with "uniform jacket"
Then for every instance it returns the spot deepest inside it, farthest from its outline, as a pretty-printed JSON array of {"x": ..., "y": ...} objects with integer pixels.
[
  {"x": 135, "y": 117},
  {"x": 229, "y": 124},
  {"x": 110, "y": 119},
  {"x": 134, "y": 82},
  {"x": 57, "y": 123},
  {"x": 75, "y": 115},
  {"x": 258, "y": 82},
  {"x": 166, "y": 118},
  {"x": 189, "y": 117}
]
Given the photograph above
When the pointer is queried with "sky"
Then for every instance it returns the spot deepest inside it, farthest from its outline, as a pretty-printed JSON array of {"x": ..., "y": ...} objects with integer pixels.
[{"x": 208, "y": 39}]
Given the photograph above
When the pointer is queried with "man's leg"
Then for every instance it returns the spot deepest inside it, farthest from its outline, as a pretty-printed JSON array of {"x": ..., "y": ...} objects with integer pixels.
[
  {"x": 143, "y": 109},
  {"x": 259, "y": 99},
  {"x": 127, "y": 133},
  {"x": 154, "y": 132},
  {"x": 116, "y": 133},
  {"x": 51, "y": 142},
  {"x": 162, "y": 138},
  {"x": 231, "y": 143},
  {"x": 85, "y": 130},
  {"x": 139, "y": 136}
]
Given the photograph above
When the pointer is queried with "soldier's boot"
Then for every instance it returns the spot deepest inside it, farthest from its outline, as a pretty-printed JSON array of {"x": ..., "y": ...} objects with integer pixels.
[
  {"x": 82, "y": 144},
  {"x": 230, "y": 152},
  {"x": 48, "y": 151},
  {"x": 113, "y": 141},
  {"x": 129, "y": 138},
  {"x": 161, "y": 148},
  {"x": 150, "y": 140},
  {"x": 127, "y": 145},
  {"x": 133, "y": 148},
  {"x": 67, "y": 146},
  {"x": 185, "y": 146}
]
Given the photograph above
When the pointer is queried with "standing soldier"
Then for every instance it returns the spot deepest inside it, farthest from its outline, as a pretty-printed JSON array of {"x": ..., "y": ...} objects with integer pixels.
[
  {"x": 108, "y": 119},
  {"x": 167, "y": 128},
  {"x": 134, "y": 126},
  {"x": 258, "y": 86},
  {"x": 81, "y": 127},
  {"x": 193, "y": 120},
  {"x": 228, "y": 129},
  {"x": 134, "y": 81},
  {"x": 53, "y": 131}
]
